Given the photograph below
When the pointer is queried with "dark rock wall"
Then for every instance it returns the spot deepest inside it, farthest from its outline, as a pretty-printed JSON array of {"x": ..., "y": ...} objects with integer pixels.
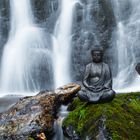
[
  {"x": 46, "y": 13},
  {"x": 93, "y": 24},
  {"x": 4, "y": 23}
]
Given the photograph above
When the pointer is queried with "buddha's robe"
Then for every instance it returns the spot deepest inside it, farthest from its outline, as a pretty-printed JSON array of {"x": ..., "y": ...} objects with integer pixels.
[{"x": 97, "y": 83}]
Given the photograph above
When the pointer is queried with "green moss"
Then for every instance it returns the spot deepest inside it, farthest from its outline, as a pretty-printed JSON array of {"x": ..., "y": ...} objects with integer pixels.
[
  {"x": 31, "y": 138},
  {"x": 122, "y": 117}
]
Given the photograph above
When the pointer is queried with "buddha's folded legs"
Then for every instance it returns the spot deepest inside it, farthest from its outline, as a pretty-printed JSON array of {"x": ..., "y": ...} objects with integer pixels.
[
  {"x": 107, "y": 96},
  {"x": 83, "y": 96}
]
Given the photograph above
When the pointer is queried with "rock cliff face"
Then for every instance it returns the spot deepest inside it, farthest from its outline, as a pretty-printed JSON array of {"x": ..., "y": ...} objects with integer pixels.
[
  {"x": 31, "y": 116},
  {"x": 4, "y": 22},
  {"x": 46, "y": 13},
  {"x": 93, "y": 24},
  {"x": 116, "y": 120}
]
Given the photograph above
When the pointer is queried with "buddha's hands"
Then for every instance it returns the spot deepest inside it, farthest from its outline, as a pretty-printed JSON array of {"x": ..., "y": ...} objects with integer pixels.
[
  {"x": 98, "y": 88},
  {"x": 106, "y": 88},
  {"x": 91, "y": 88}
]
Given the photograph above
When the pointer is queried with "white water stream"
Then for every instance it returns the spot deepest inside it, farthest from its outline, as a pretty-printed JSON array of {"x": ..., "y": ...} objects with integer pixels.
[
  {"x": 23, "y": 50},
  {"x": 61, "y": 56},
  {"x": 62, "y": 43},
  {"x": 127, "y": 43}
]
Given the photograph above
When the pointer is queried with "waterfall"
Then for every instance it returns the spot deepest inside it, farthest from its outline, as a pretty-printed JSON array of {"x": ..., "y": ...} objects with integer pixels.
[
  {"x": 0, "y": 27},
  {"x": 58, "y": 124},
  {"x": 127, "y": 15},
  {"x": 61, "y": 55},
  {"x": 62, "y": 43},
  {"x": 24, "y": 52}
]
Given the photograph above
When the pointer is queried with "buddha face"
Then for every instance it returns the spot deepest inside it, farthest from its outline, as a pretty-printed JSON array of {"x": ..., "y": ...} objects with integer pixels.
[{"x": 97, "y": 56}]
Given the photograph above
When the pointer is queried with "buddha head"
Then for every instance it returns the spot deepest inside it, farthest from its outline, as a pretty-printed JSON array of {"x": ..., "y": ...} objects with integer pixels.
[{"x": 97, "y": 54}]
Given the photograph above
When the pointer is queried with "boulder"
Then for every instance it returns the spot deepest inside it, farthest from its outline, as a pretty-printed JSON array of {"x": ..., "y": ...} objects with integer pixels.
[{"x": 34, "y": 116}]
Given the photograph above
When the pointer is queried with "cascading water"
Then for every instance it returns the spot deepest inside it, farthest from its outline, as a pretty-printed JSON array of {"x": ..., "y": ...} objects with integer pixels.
[
  {"x": 24, "y": 52},
  {"x": 127, "y": 43},
  {"x": 61, "y": 43},
  {"x": 58, "y": 124},
  {"x": 0, "y": 26},
  {"x": 61, "y": 55}
]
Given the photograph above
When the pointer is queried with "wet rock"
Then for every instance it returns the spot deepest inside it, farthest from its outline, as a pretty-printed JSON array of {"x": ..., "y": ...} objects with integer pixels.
[
  {"x": 41, "y": 136},
  {"x": 4, "y": 23},
  {"x": 70, "y": 133},
  {"x": 46, "y": 13},
  {"x": 34, "y": 115},
  {"x": 43, "y": 9},
  {"x": 138, "y": 68}
]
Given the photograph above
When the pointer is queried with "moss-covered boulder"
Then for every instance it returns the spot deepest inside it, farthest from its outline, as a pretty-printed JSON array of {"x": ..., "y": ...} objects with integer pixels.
[{"x": 117, "y": 120}]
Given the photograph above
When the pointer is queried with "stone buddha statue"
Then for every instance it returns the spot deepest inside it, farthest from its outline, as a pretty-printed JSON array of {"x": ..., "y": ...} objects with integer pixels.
[{"x": 97, "y": 82}]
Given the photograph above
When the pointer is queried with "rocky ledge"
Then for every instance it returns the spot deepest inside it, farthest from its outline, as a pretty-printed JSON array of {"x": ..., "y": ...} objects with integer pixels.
[
  {"x": 33, "y": 117},
  {"x": 117, "y": 120}
]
